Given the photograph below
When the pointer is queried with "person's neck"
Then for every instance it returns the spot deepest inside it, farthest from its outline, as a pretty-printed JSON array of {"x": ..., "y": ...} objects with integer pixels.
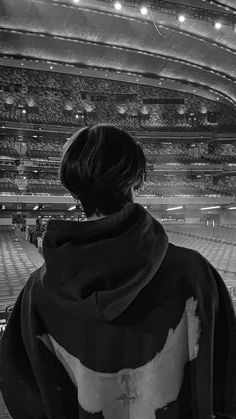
[{"x": 96, "y": 217}]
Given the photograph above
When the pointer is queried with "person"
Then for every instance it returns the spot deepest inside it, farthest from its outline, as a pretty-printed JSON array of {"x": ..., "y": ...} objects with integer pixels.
[{"x": 118, "y": 323}]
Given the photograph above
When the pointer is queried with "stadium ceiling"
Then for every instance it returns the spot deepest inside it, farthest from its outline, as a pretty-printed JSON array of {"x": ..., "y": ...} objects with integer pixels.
[{"x": 186, "y": 53}]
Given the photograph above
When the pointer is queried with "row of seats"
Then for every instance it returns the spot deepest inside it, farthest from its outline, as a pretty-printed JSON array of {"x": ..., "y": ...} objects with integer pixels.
[
  {"x": 222, "y": 256},
  {"x": 46, "y": 189},
  {"x": 15, "y": 265},
  {"x": 42, "y": 154},
  {"x": 8, "y": 152},
  {"x": 218, "y": 234},
  {"x": 9, "y": 187}
]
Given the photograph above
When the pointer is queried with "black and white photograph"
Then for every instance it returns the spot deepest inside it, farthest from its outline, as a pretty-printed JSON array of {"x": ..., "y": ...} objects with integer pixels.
[{"x": 117, "y": 209}]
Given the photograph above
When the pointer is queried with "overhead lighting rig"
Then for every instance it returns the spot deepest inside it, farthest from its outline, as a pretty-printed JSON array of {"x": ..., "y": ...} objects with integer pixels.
[
  {"x": 226, "y": 17},
  {"x": 226, "y": 7}
]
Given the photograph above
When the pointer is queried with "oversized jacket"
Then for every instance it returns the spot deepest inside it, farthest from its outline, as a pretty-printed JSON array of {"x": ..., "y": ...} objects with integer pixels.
[{"x": 120, "y": 324}]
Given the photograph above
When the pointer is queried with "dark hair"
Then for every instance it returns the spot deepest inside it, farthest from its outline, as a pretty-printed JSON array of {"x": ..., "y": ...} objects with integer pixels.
[{"x": 99, "y": 166}]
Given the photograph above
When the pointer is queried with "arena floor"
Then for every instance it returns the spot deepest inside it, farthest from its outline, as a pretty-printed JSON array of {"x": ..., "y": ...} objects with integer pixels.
[{"x": 18, "y": 258}]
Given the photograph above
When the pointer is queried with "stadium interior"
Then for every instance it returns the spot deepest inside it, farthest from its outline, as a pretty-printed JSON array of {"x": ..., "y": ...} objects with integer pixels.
[{"x": 165, "y": 71}]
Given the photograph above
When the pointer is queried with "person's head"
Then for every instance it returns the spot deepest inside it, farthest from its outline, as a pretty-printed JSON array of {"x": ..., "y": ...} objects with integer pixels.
[{"x": 100, "y": 166}]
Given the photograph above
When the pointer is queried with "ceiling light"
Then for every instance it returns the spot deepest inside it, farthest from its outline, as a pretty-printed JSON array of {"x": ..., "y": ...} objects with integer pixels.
[
  {"x": 76, "y": 1},
  {"x": 144, "y": 10},
  {"x": 117, "y": 6},
  {"x": 181, "y": 18},
  {"x": 51, "y": 67},
  {"x": 35, "y": 208},
  {"x": 232, "y": 208},
  {"x": 23, "y": 111},
  {"x": 218, "y": 25},
  {"x": 77, "y": 116},
  {"x": 22, "y": 64},
  {"x": 72, "y": 208},
  {"x": 209, "y": 208},
  {"x": 172, "y": 209}
]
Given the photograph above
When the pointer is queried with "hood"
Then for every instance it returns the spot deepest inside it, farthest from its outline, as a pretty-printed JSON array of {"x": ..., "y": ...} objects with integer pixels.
[{"x": 97, "y": 268}]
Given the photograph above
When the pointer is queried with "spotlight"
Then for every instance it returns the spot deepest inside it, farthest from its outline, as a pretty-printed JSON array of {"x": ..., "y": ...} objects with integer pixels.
[
  {"x": 24, "y": 111},
  {"x": 144, "y": 10},
  {"x": 181, "y": 18},
  {"x": 51, "y": 67},
  {"x": 218, "y": 25},
  {"x": 117, "y": 6}
]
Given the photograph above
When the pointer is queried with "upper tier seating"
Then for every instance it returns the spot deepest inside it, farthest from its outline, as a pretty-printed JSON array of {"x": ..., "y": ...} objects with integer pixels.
[
  {"x": 9, "y": 187},
  {"x": 39, "y": 188},
  {"x": 63, "y": 99}
]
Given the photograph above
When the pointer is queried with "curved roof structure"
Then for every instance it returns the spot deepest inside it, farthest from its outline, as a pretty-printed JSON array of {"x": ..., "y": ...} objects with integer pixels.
[{"x": 191, "y": 56}]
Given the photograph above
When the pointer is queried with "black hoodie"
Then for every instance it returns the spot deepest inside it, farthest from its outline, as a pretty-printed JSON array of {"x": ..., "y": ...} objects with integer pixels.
[{"x": 120, "y": 324}]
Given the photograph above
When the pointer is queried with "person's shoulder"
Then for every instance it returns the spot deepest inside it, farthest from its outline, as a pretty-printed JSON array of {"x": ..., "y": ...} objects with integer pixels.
[
  {"x": 36, "y": 275},
  {"x": 184, "y": 257},
  {"x": 191, "y": 265}
]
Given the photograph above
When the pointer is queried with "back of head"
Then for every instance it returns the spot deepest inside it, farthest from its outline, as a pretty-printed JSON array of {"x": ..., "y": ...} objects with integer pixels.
[{"x": 99, "y": 167}]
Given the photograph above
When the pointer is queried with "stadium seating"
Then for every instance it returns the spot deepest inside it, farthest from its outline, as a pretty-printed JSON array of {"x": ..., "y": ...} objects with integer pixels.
[
  {"x": 43, "y": 147},
  {"x": 46, "y": 189},
  {"x": 7, "y": 182},
  {"x": 63, "y": 99},
  {"x": 8, "y": 188},
  {"x": 15, "y": 267},
  {"x": 216, "y": 244},
  {"x": 45, "y": 183},
  {"x": 7, "y": 147}
]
